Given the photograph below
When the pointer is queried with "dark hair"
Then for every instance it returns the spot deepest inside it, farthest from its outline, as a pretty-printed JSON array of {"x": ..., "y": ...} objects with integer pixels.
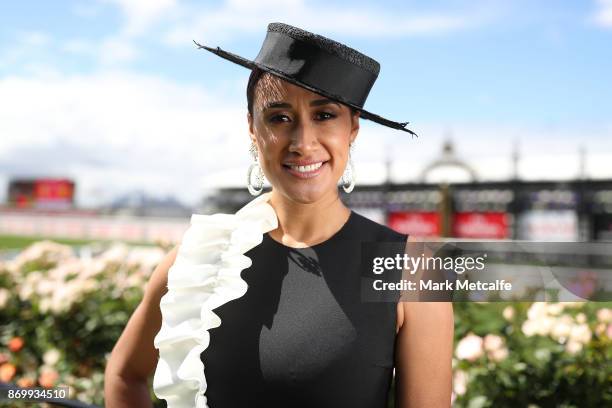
[{"x": 256, "y": 74}]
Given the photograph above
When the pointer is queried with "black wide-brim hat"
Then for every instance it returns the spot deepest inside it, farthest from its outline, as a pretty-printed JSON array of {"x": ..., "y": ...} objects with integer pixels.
[{"x": 316, "y": 63}]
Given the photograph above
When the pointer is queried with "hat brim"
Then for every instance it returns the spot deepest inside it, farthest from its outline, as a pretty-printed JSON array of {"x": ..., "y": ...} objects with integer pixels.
[{"x": 237, "y": 59}]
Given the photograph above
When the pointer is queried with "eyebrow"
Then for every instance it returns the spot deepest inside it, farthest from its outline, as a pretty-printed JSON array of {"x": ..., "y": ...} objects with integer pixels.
[{"x": 316, "y": 102}]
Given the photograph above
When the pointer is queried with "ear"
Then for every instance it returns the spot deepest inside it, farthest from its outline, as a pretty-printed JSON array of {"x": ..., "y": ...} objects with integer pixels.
[
  {"x": 251, "y": 128},
  {"x": 354, "y": 126}
]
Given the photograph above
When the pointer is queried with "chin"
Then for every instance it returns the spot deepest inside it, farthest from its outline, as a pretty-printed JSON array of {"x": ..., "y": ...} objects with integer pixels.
[{"x": 306, "y": 194}]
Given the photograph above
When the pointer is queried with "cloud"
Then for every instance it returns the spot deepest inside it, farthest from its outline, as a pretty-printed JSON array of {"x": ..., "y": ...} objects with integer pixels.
[
  {"x": 76, "y": 46},
  {"x": 116, "y": 131},
  {"x": 603, "y": 15},
  {"x": 544, "y": 152},
  {"x": 34, "y": 38},
  {"x": 238, "y": 17},
  {"x": 86, "y": 9},
  {"x": 116, "y": 50},
  {"x": 25, "y": 45},
  {"x": 112, "y": 51},
  {"x": 140, "y": 17},
  {"x": 142, "y": 14},
  {"x": 175, "y": 23},
  {"x": 36, "y": 51}
]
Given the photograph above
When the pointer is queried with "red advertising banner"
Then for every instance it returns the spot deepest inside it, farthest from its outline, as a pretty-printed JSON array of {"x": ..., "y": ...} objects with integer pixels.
[
  {"x": 422, "y": 224},
  {"x": 492, "y": 225},
  {"x": 53, "y": 190}
]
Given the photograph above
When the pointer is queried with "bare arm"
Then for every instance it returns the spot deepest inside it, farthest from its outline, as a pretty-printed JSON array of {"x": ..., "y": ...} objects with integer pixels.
[
  {"x": 134, "y": 357},
  {"x": 423, "y": 372}
]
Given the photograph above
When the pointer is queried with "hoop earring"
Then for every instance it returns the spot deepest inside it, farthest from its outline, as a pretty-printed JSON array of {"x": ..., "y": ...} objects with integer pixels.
[
  {"x": 257, "y": 188},
  {"x": 348, "y": 177}
]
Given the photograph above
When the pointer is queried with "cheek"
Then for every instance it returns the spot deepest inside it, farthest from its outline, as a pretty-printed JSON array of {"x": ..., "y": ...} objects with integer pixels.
[
  {"x": 268, "y": 143},
  {"x": 338, "y": 152},
  {"x": 270, "y": 155},
  {"x": 338, "y": 144}
]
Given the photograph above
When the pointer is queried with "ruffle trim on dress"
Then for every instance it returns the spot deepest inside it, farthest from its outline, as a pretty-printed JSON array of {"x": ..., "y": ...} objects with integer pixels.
[{"x": 204, "y": 276}]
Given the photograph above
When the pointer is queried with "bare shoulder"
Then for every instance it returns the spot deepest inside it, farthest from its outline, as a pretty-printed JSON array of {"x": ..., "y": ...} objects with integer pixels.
[
  {"x": 158, "y": 282},
  {"x": 426, "y": 313}
]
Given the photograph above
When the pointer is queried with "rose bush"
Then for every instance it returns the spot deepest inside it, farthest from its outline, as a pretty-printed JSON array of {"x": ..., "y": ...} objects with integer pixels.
[
  {"x": 533, "y": 354},
  {"x": 61, "y": 313}
]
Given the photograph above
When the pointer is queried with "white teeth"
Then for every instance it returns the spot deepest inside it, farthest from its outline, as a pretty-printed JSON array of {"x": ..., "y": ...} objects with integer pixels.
[{"x": 305, "y": 169}]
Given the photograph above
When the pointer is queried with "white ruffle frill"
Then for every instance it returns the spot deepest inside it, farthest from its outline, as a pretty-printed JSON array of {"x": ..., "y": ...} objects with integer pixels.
[{"x": 204, "y": 276}]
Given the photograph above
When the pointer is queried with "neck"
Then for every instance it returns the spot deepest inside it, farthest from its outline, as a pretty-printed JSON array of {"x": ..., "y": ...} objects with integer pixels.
[{"x": 307, "y": 224}]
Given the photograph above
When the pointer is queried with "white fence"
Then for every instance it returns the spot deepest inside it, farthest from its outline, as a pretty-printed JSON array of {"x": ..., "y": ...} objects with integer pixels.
[{"x": 143, "y": 229}]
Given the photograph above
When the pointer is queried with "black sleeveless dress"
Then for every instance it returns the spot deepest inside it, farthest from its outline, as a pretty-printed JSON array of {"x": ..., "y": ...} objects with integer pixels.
[{"x": 302, "y": 336}]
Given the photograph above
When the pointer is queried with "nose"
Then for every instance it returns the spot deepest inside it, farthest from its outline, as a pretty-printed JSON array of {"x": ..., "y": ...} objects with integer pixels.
[{"x": 304, "y": 138}]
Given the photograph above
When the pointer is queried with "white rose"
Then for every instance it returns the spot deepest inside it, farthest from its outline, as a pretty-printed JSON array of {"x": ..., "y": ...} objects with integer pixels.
[
  {"x": 508, "y": 313},
  {"x": 581, "y": 333},
  {"x": 469, "y": 347},
  {"x": 554, "y": 308},
  {"x": 529, "y": 328},
  {"x": 147, "y": 257},
  {"x": 604, "y": 315},
  {"x": 573, "y": 347},
  {"x": 117, "y": 253},
  {"x": 460, "y": 382},
  {"x": 536, "y": 310},
  {"x": 45, "y": 304},
  {"x": 499, "y": 355},
  {"x": 573, "y": 305},
  {"x": 51, "y": 357},
  {"x": 46, "y": 287},
  {"x": 493, "y": 342},
  {"x": 544, "y": 325},
  {"x": 5, "y": 295},
  {"x": 561, "y": 330},
  {"x": 27, "y": 290}
]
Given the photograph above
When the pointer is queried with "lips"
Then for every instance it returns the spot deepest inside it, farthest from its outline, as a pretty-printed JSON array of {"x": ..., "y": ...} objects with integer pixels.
[{"x": 305, "y": 169}]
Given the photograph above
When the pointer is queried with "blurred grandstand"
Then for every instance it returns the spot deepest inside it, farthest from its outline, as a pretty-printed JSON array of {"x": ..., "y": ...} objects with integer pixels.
[{"x": 449, "y": 198}]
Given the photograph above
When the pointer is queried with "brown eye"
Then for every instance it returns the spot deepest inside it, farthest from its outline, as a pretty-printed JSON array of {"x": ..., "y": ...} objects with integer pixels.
[
  {"x": 278, "y": 118},
  {"x": 326, "y": 115}
]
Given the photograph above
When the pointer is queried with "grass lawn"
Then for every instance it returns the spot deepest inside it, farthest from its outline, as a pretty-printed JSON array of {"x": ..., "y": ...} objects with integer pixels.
[{"x": 18, "y": 242}]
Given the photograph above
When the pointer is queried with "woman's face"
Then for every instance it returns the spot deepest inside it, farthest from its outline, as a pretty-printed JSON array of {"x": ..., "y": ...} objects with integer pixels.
[{"x": 302, "y": 138}]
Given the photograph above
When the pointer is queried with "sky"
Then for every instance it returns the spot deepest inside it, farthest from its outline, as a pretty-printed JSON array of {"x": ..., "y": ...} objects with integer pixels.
[{"x": 114, "y": 94}]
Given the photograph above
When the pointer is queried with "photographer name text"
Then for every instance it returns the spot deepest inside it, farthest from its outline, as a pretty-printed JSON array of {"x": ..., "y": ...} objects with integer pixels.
[{"x": 496, "y": 285}]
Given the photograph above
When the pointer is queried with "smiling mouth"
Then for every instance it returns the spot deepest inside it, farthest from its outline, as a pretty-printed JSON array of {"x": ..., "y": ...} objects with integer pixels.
[{"x": 307, "y": 171}]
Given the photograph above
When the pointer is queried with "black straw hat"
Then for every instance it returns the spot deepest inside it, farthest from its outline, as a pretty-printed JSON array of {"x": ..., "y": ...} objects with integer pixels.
[{"x": 316, "y": 63}]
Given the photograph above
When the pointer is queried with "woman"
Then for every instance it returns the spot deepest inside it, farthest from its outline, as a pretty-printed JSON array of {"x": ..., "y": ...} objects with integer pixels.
[{"x": 290, "y": 327}]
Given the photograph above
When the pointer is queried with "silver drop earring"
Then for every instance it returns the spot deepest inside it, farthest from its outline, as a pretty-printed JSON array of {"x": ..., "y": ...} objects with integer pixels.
[
  {"x": 255, "y": 189},
  {"x": 348, "y": 177}
]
